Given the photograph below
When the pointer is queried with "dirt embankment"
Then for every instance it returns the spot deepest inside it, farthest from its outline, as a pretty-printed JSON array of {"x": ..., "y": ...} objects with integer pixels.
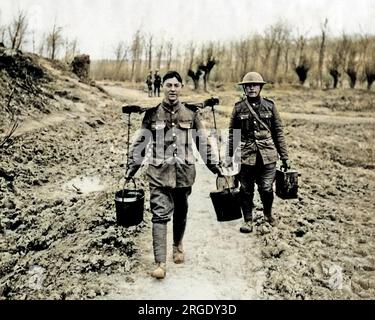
[{"x": 58, "y": 234}]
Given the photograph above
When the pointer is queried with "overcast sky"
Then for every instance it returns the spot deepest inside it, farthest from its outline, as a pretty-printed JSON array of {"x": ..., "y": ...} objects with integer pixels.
[{"x": 100, "y": 24}]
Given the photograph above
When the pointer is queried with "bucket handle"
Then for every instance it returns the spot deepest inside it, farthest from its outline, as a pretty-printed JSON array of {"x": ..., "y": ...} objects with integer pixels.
[
  {"x": 126, "y": 181},
  {"x": 123, "y": 188}
]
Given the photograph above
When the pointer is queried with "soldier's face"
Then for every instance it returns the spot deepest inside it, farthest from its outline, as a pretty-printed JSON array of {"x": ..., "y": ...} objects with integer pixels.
[
  {"x": 172, "y": 89},
  {"x": 252, "y": 90}
]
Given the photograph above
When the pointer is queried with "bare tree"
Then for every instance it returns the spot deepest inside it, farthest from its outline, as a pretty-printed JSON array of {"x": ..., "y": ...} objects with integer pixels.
[
  {"x": 191, "y": 52},
  {"x": 352, "y": 60},
  {"x": 136, "y": 51},
  {"x": 370, "y": 62},
  {"x": 303, "y": 64},
  {"x": 17, "y": 30},
  {"x": 351, "y": 69},
  {"x": 54, "y": 41},
  {"x": 322, "y": 48},
  {"x": 169, "y": 49},
  {"x": 121, "y": 54},
  {"x": 73, "y": 47},
  {"x": 149, "y": 51},
  {"x": 286, "y": 54},
  {"x": 195, "y": 76},
  {"x": 42, "y": 44},
  {"x": 206, "y": 67},
  {"x": 269, "y": 44},
  {"x": 336, "y": 61},
  {"x": 70, "y": 49},
  {"x": 242, "y": 48},
  {"x": 159, "y": 54},
  {"x": 281, "y": 33},
  {"x": 178, "y": 59}
]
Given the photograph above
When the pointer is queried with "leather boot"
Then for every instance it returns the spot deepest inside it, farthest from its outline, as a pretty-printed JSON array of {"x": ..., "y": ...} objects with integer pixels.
[
  {"x": 246, "y": 227},
  {"x": 267, "y": 200},
  {"x": 159, "y": 236},
  {"x": 247, "y": 211},
  {"x": 160, "y": 271},
  {"x": 178, "y": 254}
]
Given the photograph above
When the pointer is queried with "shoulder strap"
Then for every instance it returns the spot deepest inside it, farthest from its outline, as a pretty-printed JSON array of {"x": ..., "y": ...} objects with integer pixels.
[{"x": 256, "y": 116}]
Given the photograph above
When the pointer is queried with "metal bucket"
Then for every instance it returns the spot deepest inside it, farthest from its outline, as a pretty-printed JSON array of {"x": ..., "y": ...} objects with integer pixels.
[
  {"x": 287, "y": 184},
  {"x": 226, "y": 203},
  {"x": 129, "y": 206}
]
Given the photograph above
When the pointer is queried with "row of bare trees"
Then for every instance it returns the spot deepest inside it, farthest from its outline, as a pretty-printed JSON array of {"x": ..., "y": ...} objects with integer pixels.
[
  {"x": 321, "y": 61},
  {"x": 281, "y": 55},
  {"x": 53, "y": 44}
]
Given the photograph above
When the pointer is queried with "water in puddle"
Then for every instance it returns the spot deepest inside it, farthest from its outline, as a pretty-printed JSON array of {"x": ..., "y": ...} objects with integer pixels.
[{"x": 84, "y": 184}]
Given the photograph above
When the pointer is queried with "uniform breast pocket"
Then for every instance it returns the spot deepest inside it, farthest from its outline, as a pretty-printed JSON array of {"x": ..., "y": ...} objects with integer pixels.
[
  {"x": 266, "y": 117},
  {"x": 265, "y": 114},
  {"x": 184, "y": 130},
  {"x": 158, "y": 125},
  {"x": 185, "y": 124},
  {"x": 244, "y": 121}
]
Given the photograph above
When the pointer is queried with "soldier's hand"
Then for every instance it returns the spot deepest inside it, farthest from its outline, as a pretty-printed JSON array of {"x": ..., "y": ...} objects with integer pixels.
[
  {"x": 128, "y": 176},
  {"x": 219, "y": 171},
  {"x": 285, "y": 165}
]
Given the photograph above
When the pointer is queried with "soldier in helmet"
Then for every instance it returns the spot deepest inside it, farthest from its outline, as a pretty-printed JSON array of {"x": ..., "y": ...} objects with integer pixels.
[
  {"x": 157, "y": 83},
  {"x": 149, "y": 83},
  {"x": 169, "y": 128},
  {"x": 262, "y": 143}
]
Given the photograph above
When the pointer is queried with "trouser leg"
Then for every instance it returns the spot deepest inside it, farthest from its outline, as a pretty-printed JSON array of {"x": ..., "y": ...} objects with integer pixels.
[
  {"x": 180, "y": 198},
  {"x": 161, "y": 203},
  {"x": 265, "y": 183},
  {"x": 159, "y": 241},
  {"x": 247, "y": 180}
]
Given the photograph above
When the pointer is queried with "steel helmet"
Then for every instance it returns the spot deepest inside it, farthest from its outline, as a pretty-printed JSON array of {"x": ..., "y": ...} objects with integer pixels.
[{"x": 252, "y": 77}]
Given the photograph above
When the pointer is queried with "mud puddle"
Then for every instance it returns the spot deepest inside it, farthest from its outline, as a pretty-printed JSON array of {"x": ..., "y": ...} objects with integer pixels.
[{"x": 84, "y": 185}]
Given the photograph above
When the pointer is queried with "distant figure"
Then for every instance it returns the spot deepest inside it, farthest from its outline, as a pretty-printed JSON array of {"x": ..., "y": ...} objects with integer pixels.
[
  {"x": 149, "y": 83},
  {"x": 157, "y": 83},
  {"x": 262, "y": 141}
]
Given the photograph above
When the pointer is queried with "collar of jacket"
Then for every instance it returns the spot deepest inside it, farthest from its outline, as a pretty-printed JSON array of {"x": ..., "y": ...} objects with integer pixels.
[
  {"x": 171, "y": 108},
  {"x": 254, "y": 100}
]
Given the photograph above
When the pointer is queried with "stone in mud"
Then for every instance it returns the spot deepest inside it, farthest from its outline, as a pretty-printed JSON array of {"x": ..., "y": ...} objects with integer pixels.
[
  {"x": 91, "y": 294},
  {"x": 9, "y": 204}
]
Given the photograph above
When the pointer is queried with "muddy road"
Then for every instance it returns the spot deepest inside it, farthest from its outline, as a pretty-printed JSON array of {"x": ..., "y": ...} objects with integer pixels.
[
  {"x": 59, "y": 238},
  {"x": 216, "y": 266}
]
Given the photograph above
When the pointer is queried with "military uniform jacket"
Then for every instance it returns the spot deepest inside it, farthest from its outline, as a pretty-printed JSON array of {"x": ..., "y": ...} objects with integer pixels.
[
  {"x": 149, "y": 80},
  {"x": 254, "y": 136},
  {"x": 169, "y": 136},
  {"x": 157, "y": 80}
]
